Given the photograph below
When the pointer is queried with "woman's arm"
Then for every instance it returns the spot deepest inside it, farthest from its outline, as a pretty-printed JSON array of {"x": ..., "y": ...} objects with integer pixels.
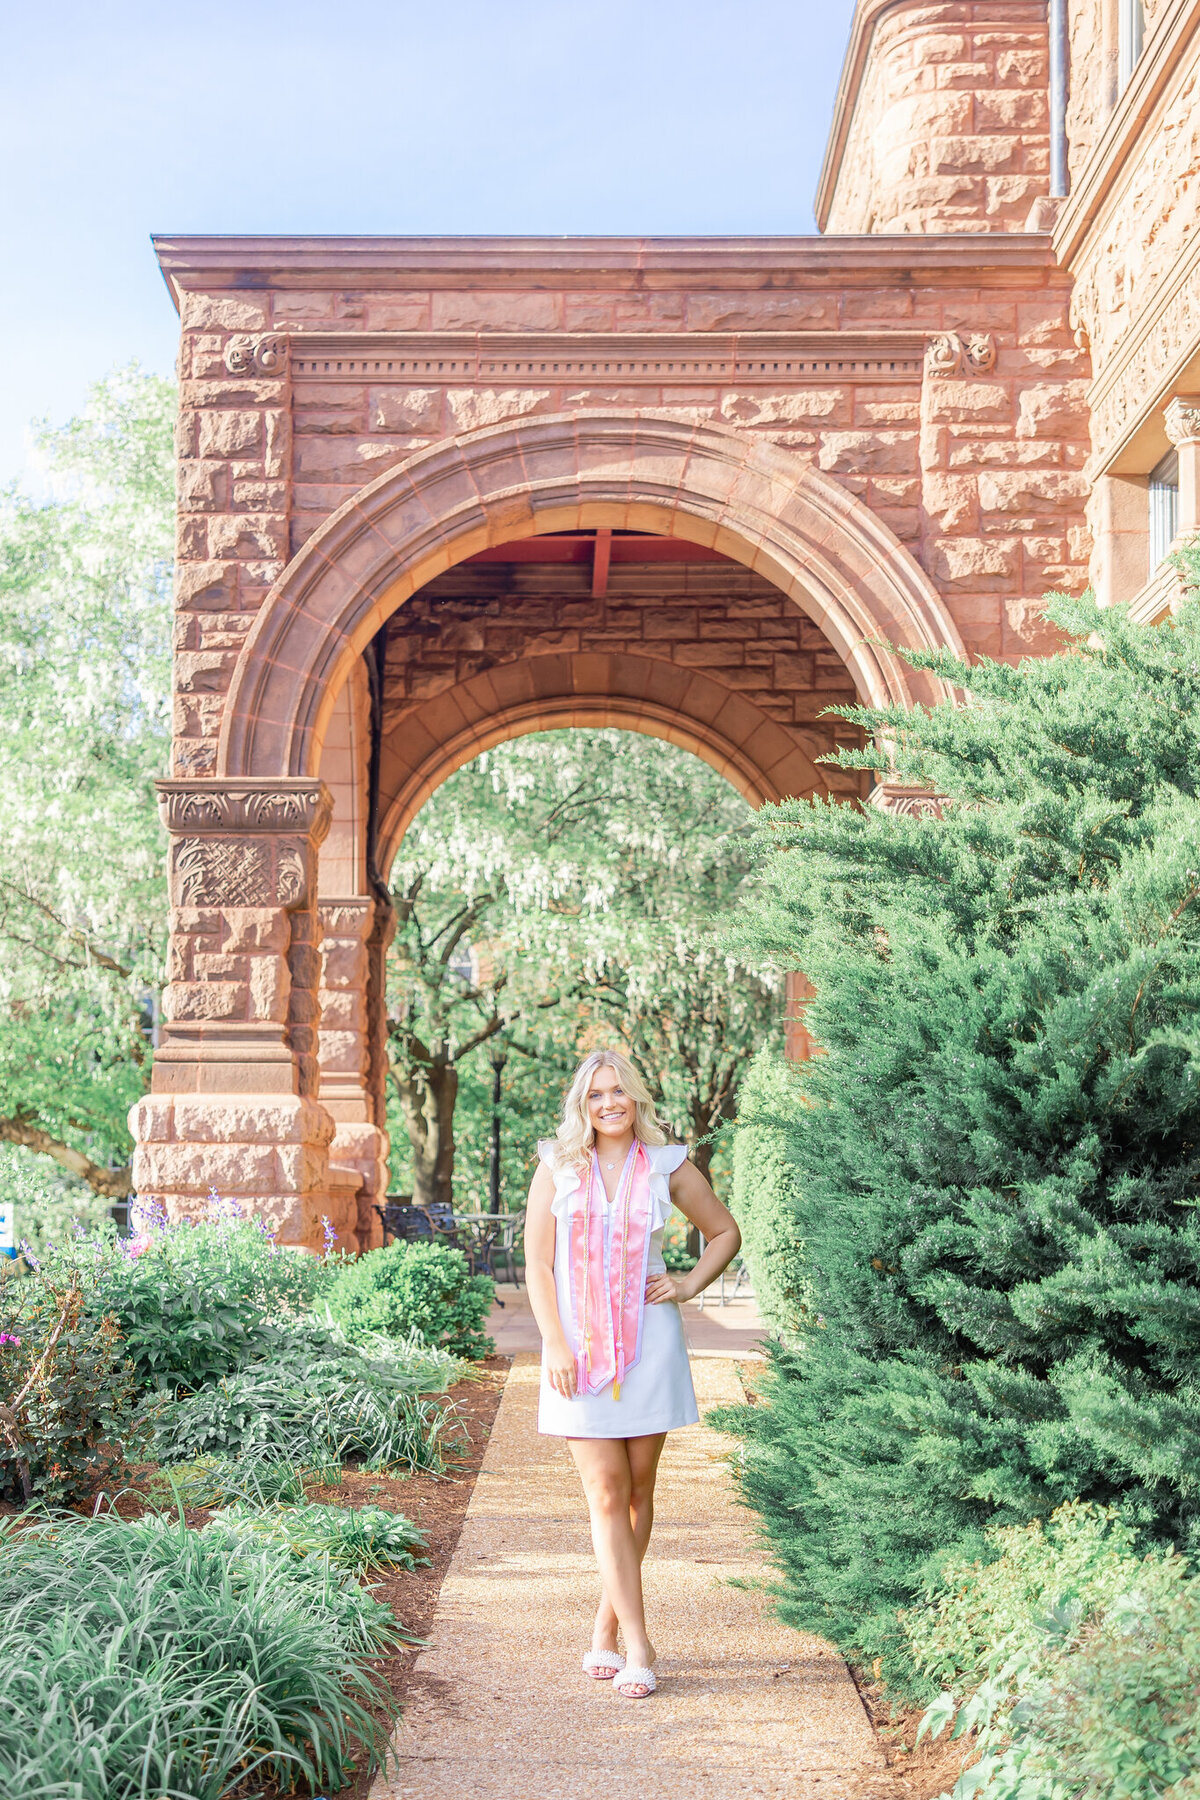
[
  {"x": 557, "y": 1357},
  {"x": 697, "y": 1202}
]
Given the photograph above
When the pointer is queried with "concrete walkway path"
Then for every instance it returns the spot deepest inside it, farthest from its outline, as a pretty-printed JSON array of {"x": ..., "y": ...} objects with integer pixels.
[{"x": 499, "y": 1710}]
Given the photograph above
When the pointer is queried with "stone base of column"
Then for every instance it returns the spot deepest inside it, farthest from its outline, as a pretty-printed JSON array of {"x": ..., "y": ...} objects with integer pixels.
[{"x": 268, "y": 1152}]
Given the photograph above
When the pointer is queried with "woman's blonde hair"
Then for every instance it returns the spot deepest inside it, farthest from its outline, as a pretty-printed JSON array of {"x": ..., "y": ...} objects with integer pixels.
[{"x": 574, "y": 1139}]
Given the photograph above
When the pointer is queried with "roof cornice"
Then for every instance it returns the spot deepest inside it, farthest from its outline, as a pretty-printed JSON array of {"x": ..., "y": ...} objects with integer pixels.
[{"x": 211, "y": 264}]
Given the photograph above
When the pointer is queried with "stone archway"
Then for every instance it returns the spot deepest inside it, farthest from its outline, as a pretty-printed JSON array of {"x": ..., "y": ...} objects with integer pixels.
[
  {"x": 754, "y": 501},
  {"x": 268, "y": 1081}
]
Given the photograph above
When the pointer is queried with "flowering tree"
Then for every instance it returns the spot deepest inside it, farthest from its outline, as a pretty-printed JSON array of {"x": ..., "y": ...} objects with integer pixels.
[
  {"x": 564, "y": 890},
  {"x": 84, "y": 722}
]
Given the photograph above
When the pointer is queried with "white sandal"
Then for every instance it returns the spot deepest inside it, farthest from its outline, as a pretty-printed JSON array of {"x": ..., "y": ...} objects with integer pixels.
[
  {"x": 603, "y": 1665},
  {"x": 631, "y": 1676}
]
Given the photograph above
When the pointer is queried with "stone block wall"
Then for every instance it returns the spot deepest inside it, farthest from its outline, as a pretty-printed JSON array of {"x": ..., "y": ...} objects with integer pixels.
[
  {"x": 942, "y": 119},
  {"x": 1127, "y": 235},
  {"x": 976, "y": 466}
]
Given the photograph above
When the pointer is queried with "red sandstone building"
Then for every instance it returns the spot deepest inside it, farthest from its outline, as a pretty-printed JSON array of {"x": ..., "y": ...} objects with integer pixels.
[{"x": 434, "y": 493}]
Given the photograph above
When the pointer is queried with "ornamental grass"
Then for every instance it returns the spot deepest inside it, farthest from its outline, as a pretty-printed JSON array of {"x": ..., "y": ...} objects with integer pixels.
[{"x": 147, "y": 1661}]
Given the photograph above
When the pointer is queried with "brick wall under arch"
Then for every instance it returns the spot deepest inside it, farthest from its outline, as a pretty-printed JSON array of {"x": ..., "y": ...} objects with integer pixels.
[{"x": 707, "y": 655}]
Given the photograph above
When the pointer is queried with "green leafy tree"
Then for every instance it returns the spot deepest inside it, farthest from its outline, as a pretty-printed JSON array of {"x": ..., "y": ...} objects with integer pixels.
[
  {"x": 573, "y": 882},
  {"x": 994, "y": 1168},
  {"x": 84, "y": 725}
]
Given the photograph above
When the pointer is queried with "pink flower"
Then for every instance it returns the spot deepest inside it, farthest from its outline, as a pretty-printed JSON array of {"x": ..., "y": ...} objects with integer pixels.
[
  {"x": 136, "y": 1245},
  {"x": 6, "y": 1337}
]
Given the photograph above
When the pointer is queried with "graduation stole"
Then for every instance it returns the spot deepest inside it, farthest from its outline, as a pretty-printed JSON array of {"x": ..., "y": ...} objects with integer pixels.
[{"x": 608, "y": 1303}]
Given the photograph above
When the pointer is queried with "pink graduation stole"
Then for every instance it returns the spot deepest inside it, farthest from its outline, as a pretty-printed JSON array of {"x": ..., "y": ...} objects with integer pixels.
[{"x": 608, "y": 1305}]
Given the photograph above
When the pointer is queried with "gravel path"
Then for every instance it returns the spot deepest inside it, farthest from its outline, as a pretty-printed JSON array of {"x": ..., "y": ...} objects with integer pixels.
[{"x": 498, "y": 1708}]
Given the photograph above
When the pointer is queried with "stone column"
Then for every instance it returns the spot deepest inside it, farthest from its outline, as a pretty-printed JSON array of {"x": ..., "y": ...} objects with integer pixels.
[
  {"x": 234, "y": 1100},
  {"x": 798, "y": 1042},
  {"x": 1182, "y": 421},
  {"x": 1118, "y": 518},
  {"x": 354, "y": 935}
]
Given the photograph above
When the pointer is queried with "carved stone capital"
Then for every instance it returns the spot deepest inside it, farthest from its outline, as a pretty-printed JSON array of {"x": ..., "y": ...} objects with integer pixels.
[
  {"x": 902, "y": 798},
  {"x": 241, "y": 871},
  {"x": 1182, "y": 420},
  {"x": 956, "y": 353},
  {"x": 253, "y": 807},
  {"x": 346, "y": 918},
  {"x": 265, "y": 355}
]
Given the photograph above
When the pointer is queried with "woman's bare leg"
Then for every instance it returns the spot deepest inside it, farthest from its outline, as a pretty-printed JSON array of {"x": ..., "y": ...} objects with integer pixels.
[
  {"x": 644, "y": 1453},
  {"x": 606, "y": 1468}
]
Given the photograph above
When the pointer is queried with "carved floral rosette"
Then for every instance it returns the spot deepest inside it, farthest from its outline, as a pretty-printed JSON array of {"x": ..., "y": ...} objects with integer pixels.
[
  {"x": 264, "y": 355},
  {"x": 958, "y": 353}
]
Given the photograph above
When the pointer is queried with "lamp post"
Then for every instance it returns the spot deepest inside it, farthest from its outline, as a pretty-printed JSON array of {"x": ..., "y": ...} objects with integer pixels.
[{"x": 497, "y": 1059}]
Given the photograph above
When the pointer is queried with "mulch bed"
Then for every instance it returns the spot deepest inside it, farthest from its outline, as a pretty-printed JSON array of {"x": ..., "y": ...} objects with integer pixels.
[{"x": 922, "y": 1773}]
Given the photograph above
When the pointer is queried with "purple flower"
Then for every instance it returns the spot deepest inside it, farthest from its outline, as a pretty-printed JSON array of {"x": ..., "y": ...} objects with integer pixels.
[
  {"x": 330, "y": 1235},
  {"x": 147, "y": 1214}
]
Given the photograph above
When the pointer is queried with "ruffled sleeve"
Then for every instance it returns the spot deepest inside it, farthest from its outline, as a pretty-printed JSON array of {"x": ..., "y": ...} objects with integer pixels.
[
  {"x": 566, "y": 1180},
  {"x": 664, "y": 1160}
]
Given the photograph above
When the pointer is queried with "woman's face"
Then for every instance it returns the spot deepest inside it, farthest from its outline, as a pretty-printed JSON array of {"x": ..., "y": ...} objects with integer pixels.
[{"x": 611, "y": 1112}]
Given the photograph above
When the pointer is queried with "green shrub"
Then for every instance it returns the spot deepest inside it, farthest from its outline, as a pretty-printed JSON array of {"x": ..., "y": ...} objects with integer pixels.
[
  {"x": 68, "y": 1393},
  {"x": 196, "y": 1301},
  {"x": 1071, "y": 1569},
  {"x": 995, "y": 1161},
  {"x": 311, "y": 1410},
  {"x": 1120, "y": 1718},
  {"x": 765, "y": 1197},
  {"x": 1072, "y": 1659},
  {"x": 145, "y": 1660},
  {"x": 422, "y": 1288}
]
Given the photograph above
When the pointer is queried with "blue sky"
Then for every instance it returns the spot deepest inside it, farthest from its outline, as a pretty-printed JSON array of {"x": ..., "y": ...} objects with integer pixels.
[{"x": 121, "y": 119}]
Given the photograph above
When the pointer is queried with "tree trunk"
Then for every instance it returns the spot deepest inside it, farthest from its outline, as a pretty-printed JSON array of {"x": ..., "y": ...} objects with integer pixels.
[
  {"x": 427, "y": 1097},
  {"x": 702, "y": 1157}
]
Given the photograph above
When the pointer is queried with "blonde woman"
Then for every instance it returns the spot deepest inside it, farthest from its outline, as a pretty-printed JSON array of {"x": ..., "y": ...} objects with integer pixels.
[{"x": 615, "y": 1374}]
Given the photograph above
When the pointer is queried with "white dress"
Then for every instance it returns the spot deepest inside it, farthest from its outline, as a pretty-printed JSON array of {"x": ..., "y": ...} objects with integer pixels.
[{"x": 657, "y": 1393}]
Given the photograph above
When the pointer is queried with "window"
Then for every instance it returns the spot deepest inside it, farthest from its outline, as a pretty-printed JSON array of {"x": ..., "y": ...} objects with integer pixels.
[
  {"x": 1130, "y": 37},
  {"x": 1164, "y": 507}
]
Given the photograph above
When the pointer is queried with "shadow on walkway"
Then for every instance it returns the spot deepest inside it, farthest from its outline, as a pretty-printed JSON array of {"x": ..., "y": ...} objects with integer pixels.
[{"x": 499, "y": 1709}]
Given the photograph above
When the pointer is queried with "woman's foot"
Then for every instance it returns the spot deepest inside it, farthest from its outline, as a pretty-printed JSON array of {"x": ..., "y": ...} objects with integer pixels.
[
  {"x": 636, "y": 1679},
  {"x": 604, "y": 1660},
  {"x": 602, "y": 1665}
]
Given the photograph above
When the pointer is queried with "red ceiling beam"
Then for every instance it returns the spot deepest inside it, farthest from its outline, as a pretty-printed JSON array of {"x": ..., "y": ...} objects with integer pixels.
[
  {"x": 601, "y": 556},
  {"x": 581, "y": 547}
]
